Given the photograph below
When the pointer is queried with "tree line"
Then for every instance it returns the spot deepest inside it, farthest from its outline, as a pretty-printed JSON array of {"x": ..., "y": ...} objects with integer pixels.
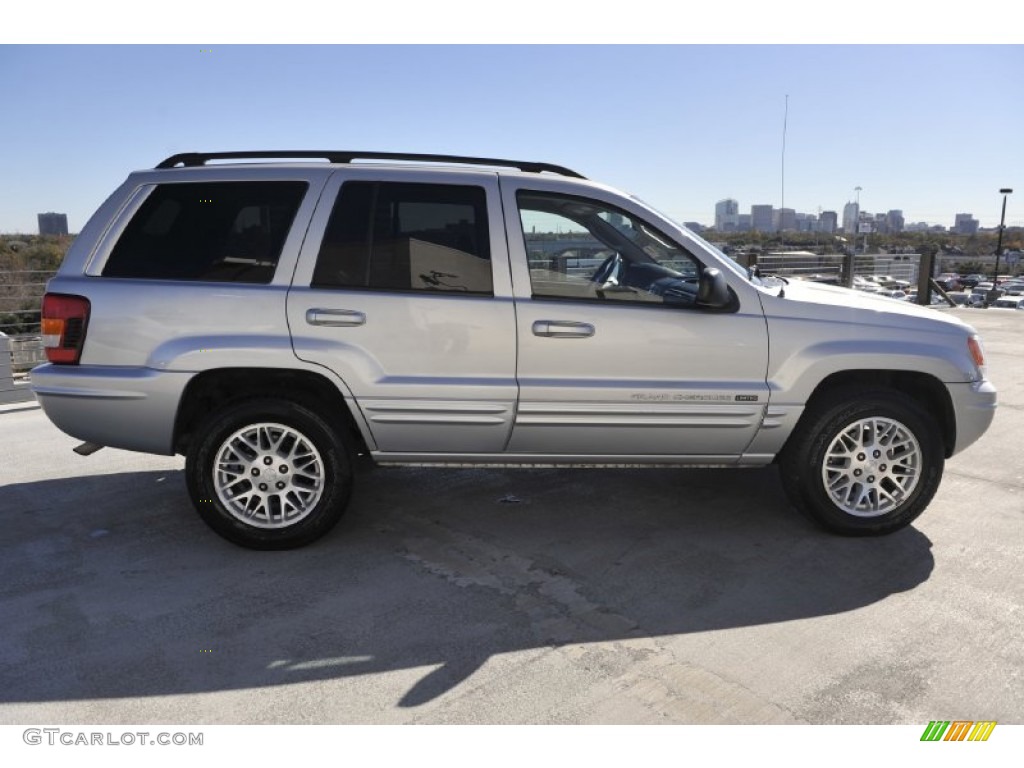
[{"x": 26, "y": 263}]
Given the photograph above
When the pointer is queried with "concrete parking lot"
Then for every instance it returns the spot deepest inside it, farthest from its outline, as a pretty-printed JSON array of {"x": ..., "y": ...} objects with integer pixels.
[{"x": 518, "y": 596}]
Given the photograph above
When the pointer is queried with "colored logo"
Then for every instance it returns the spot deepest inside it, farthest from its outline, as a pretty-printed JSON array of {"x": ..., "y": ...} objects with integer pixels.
[{"x": 958, "y": 730}]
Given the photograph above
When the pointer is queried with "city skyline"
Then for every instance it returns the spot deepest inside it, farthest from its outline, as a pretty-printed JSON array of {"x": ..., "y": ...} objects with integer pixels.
[
  {"x": 634, "y": 117},
  {"x": 727, "y": 217}
]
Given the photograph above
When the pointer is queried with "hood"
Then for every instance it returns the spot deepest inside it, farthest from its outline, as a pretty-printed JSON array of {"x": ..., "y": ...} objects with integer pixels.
[{"x": 806, "y": 298}]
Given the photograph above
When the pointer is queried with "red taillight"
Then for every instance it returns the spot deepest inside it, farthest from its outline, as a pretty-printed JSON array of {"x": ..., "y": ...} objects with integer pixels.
[{"x": 64, "y": 321}]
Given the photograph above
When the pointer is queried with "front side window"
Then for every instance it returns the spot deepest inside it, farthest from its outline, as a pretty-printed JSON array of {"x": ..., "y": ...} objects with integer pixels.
[
  {"x": 401, "y": 237},
  {"x": 583, "y": 249},
  {"x": 218, "y": 231}
]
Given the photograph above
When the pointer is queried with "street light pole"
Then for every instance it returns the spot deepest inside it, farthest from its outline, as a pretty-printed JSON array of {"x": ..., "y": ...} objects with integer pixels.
[
  {"x": 856, "y": 225},
  {"x": 994, "y": 293}
]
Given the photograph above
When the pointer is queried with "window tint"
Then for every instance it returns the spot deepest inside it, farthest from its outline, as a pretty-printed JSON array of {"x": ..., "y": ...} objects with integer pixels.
[
  {"x": 583, "y": 249},
  {"x": 218, "y": 231},
  {"x": 430, "y": 237}
]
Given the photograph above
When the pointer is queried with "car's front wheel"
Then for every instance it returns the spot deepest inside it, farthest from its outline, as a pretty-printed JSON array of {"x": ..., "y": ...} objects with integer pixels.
[
  {"x": 269, "y": 474},
  {"x": 863, "y": 463}
]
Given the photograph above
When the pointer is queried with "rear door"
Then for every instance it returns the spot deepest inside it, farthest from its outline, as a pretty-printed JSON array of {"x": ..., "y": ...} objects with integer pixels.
[
  {"x": 617, "y": 360},
  {"x": 403, "y": 290}
]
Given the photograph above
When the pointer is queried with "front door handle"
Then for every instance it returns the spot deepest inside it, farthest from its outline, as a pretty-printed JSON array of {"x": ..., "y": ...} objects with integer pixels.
[
  {"x": 335, "y": 317},
  {"x": 562, "y": 329}
]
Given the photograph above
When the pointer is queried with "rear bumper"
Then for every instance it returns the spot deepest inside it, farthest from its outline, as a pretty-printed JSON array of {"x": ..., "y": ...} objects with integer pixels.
[
  {"x": 130, "y": 408},
  {"x": 975, "y": 406}
]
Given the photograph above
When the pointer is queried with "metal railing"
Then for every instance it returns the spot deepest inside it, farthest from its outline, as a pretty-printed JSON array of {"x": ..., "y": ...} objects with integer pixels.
[
  {"x": 831, "y": 267},
  {"x": 21, "y": 295}
]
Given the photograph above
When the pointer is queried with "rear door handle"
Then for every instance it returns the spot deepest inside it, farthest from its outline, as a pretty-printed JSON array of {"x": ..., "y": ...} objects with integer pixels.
[
  {"x": 335, "y": 317},
  {"x": 562, "y": 329}
]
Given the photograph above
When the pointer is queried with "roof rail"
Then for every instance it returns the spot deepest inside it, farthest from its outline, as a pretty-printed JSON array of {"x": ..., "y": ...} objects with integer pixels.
[{"x": 191, "y": 159}]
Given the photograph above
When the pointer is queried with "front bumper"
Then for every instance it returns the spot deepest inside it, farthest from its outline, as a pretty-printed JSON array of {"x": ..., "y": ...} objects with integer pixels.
[{"x": 974, "y": 404}]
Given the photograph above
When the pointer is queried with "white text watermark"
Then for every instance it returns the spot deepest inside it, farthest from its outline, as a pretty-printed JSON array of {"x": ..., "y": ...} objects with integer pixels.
[{"x": 59, "y": 737}]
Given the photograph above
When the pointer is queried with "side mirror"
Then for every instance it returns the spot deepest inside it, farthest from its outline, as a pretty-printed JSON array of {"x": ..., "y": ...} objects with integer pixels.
[{"x": 713, "y": 291}]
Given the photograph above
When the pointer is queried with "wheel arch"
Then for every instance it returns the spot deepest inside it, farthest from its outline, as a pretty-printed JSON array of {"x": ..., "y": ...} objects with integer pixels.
[
  {"x": 212, "y": 390},
  {"x": 930, "y": 393}
]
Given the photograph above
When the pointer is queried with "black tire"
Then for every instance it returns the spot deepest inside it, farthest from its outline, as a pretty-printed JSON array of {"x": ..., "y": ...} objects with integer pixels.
[
  {"x": 308, "y": 478},
  {"x": 831, "y": 473}
]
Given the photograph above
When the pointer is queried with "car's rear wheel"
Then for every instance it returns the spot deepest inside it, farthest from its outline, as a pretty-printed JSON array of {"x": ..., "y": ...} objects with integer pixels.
[
  {"x": 269, "y": 474},
  {"x": 863, "y": 463}
]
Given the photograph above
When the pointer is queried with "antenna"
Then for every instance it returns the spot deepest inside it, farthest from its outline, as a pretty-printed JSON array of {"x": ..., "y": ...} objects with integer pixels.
[{"x": 785, "y": 121}]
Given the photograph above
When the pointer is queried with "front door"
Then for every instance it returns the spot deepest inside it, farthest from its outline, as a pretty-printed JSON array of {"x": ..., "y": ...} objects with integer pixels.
[{"x": 615, "y": 357}]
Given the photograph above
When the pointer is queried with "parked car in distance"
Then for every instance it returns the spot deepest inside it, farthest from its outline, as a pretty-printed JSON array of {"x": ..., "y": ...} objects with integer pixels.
[
  {"x": 282, "y": 324},
  {"x": 935, "y": 299},
  {"x": 866, "y": 285},
  {"x": 970, "y": 281},
  {"x": 1008, "y": 302},
  {"x": 888, "y": 281},
  {"x": 950, "y": 281},
  {"x": 892, "y": 293},
  {"x": 966, "y": 298},
  {"x": 1012, "y": 287},
  {"x": 985, "y": 289}
]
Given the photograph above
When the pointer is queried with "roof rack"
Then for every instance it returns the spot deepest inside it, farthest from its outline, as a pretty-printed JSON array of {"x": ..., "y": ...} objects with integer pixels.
[{"x": 191, "y": 159}]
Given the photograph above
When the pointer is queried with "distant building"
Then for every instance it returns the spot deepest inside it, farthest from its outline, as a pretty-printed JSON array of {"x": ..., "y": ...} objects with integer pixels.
[
  {"x": 785, "y": 219},
  {"x": 762, "y": 218},
  {"x": 894, "y": 221},
  {"x": 827, "y": 222},
  {"x": 851, "y": 215},
  {"x": 866, "y": 223},
  {"x": 53, "y": 223},
  {"x": 806, "y": 222},
  {"x": 694, "y": 226},
  {"x": 743, "y": 222},
  {"x": 965, "y": 224},
  {"x": 727, "y": 215}
]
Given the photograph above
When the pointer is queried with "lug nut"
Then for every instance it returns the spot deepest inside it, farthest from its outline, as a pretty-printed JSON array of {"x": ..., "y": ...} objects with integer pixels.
[
  {"x": 284, "y": 468},
  {"x": 877, "y": 454},
  {"x": 255, "y": 472},
  {"x": 857, "y": 473},
  {"x": 871, "y": 478},
  {"x": 280, "y": 486},
  {"x": 263, "y": 486},
  {"x": 861, "y": 457},
  {"x": 882, "y": 467},
  {"x": 268, "y": 461}
]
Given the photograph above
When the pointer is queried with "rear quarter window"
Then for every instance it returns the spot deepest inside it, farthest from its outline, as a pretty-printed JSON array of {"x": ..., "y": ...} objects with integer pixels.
[{"x": 216, "y": 231}]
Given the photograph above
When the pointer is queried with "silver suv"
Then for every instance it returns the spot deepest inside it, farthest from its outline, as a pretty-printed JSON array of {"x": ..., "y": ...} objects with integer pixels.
[{"x": 273, "y": 321}]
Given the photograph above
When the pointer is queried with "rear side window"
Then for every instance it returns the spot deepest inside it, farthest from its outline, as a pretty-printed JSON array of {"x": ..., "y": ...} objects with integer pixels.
[
  {"x": 219, "y": 231},
  {"x": 402, "y": 237}
]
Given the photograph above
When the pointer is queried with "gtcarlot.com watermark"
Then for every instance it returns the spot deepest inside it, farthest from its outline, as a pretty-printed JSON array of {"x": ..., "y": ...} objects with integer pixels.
[{"x": 59, "y": 737}]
